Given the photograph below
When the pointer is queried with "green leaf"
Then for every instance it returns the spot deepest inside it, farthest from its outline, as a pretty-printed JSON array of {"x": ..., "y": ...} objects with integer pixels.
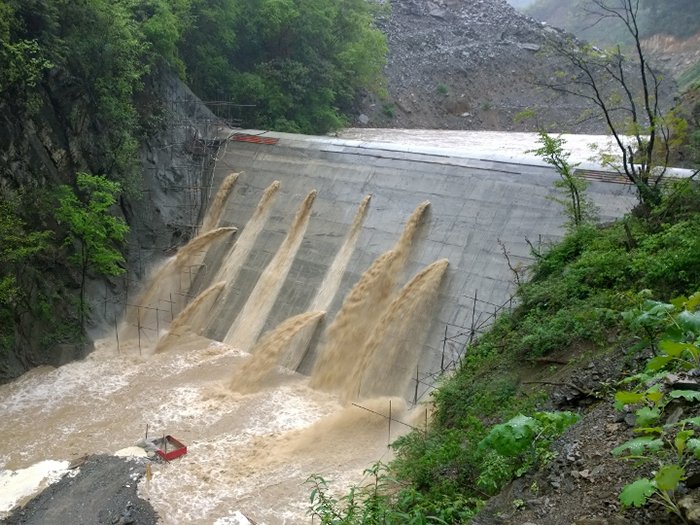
[
  {"x": 646, "y": 416},
  {"x": 693, "y": 445},
  {"x": 668, "y": 477},
  {"x": 637, "y": 445},
  {"x": 649, "y": 430},
  {"x": 655, "y": 397},
  {"x": 556, "y": 421},
  {"x": 679, "y": 302},
  {"x": 692, "y": 420},
  {"x": 636, "y": 494},
  {"x": 671, "y": 348},
  {"x": 681, "y": 439},
  {"x": 629, "y": 398},
  {"x": 674, "y": 332},
  {"x": 688, "y": 395},
  {"x": 689, "y": 321},
  {"x": 659, "y": 362},
  {"x": 512, "y": 437},
  {"x": 693, "y": 301}
]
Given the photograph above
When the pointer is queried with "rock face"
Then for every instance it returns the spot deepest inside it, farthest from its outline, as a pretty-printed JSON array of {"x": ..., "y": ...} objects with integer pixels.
[
  {"x": 47, "y": 149},
  {"x": 176, "y": 163},
  {"x": 467, "y": 64}
]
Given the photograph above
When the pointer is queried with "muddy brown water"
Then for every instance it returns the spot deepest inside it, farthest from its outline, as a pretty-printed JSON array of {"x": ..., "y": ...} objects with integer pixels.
[{"x": 255, "y": 431}]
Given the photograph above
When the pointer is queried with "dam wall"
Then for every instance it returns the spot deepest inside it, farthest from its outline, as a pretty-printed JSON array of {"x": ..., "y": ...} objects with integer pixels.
[{"x": 474, "y": 204}]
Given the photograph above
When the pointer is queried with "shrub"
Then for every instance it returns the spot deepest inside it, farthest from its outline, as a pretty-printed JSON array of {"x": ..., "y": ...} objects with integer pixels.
[{"x": 388, "y": 109}]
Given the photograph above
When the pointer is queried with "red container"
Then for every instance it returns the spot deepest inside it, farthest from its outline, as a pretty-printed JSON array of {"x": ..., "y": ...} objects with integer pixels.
[{"x": 170, "y": 448}]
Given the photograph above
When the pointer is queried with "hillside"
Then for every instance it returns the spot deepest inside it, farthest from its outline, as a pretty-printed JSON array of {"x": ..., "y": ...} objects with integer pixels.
[
  {"x": 456, "y": 64},
  {"x": 670, "y": 30}
]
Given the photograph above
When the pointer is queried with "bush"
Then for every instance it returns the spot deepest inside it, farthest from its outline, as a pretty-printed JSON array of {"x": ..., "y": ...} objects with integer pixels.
[{"x": 442, "y": 89}]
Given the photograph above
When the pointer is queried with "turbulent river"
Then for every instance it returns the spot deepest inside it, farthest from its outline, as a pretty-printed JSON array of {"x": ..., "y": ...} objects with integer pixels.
[{"x": 255, "y": 430}]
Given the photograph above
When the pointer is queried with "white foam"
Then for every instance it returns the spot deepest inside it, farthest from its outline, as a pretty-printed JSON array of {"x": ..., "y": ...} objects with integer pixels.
[
  {"x": 237, "y": 518},
  {"x": 21, "y": 484},
  {"x": 97, "y": 379}
]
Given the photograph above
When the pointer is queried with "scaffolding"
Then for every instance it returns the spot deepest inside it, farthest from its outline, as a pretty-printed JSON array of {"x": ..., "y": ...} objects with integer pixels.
[{"x": 184, "y": 164}]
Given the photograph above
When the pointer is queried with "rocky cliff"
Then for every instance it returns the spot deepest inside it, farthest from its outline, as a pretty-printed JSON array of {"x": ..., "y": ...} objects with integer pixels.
[{"x": 42, "y": 150}]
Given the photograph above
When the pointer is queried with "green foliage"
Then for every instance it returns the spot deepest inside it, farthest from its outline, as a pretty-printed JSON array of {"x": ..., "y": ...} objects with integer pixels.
[
  {"x": 93, "y": 231},
  {"x": 525, "y": 433},
  {"x": 577, "y": 291},
  {"x": 18, "y": 247},
  {"x": 442, "y": 89},
  {"x": 20, "y": 251},
  {"x": 300, "y": 63},
  {"x": 363, "y": 505},
  {"x": 577, "y": 208},
  {"x": 636, "y": 494},
  {"x": 101, "y": 49},
  {"x": 388, "y": 109},
  {"x": 673, "y": 445},
  {"x": 296, "y": 64},
  {"x": 91, "y": 224}
]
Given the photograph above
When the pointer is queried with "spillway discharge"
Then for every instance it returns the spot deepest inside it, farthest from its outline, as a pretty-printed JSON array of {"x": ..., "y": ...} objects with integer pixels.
[
  {"x": 363, "y": 306},
  {"x": 249, "y": 323},
  {"x": 197, "y": 245},
  {"x": 237, "y": 255},
  {"x": 166, "y": 282},
  {"x": 233, "y": 261},
  {"x": 389, "y": 358},
  {"x": 211, "y": 220},
  {"x": 329, "y": 287},
  {"x": 266, "y": 354},
  {"x": 192, "y": 316},
  {"x": 331, "y": 282},
  {"x": 409, "y": 231}
]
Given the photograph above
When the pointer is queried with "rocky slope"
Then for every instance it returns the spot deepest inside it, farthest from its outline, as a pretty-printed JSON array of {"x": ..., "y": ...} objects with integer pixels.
[{"x": 463, "y": 64}]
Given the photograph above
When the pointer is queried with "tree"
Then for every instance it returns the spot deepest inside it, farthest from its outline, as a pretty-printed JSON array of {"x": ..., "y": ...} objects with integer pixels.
[
  {"x": 93, "y": 231},
  {"x": 17, "y": 248},
  {"x": 293, "y": 65},
  {"x": 626, "y": 93},
  {"x": 20, "y": 247},
  {"x": 577, "y": 207}
]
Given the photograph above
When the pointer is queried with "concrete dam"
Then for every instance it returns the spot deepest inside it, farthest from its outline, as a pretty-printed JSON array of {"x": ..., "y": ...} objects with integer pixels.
[
  {"x": 286, "y": 338},
  {"x": 477, "y": 208}
]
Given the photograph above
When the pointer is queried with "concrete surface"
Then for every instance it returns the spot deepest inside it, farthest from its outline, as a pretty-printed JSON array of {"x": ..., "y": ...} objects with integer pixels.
[{"x": 475, "y": 202}]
